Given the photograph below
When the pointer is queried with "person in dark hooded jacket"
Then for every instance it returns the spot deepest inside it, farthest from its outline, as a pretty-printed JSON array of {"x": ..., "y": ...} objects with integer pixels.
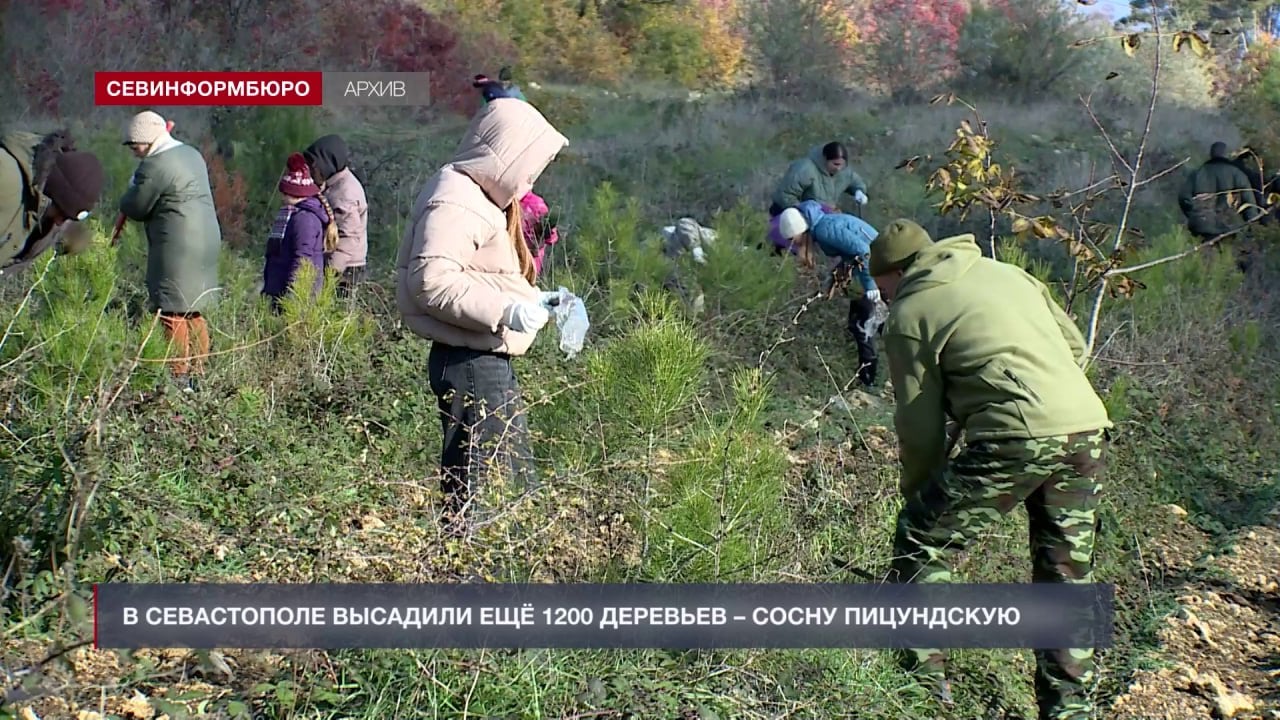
[
  {"x": 1218, "y": 197},
  {"x": 44, "y": 182},
  {"x": 328, "y": 159}
]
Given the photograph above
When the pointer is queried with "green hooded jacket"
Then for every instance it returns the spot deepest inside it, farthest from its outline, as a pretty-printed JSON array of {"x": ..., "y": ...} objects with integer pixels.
[
  {"x": 170, "y": 193},
  {"x": 807, "y": 179},
  {"x": 21, "y": 206},
  {"x": 1211, "y": 195},
  {"x": 985, "y": 343}
]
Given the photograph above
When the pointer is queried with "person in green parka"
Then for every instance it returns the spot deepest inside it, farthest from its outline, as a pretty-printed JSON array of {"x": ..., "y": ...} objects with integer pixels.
[
  {"x": 170, "y": 193},
  {"x": 46, "y": 188},
  {"x": 823, "y": 175},
  {"x": 983, "y": 343}
]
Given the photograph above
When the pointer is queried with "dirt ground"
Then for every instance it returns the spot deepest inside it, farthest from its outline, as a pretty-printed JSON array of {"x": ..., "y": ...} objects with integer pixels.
[{"x": 1222, "y": 647}]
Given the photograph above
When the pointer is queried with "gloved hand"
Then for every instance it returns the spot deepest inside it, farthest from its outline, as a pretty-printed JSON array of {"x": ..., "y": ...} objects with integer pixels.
[
  {"x": 873, "y": 295},
  {"x": 861, "y": 197},
  {"x": 525, "y": 316},
  {"x": 699, "y": 256}
]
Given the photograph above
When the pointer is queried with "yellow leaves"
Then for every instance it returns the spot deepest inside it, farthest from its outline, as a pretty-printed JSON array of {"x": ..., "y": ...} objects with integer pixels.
[
  {"x": 1042, "y": 227},
  {"x": 1125, "y": 287},
  {"x": 910, "y": 163},
  {"x": 1130, "y": 43},
  {"x": 1080, "y": 250},
  {"x": 1198, "y": 43}
]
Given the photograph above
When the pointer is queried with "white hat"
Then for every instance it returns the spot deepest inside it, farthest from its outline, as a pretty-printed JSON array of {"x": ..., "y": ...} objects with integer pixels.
[
  {"x": 144, "y": 128},
  {"x": 791, "y": 224}
]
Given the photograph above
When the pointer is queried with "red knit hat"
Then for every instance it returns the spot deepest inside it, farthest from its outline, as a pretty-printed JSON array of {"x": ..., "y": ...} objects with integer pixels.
[{"x": 296, "y": 181}]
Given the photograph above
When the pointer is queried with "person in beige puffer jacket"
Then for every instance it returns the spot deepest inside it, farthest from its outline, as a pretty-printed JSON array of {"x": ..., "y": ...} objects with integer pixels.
[{"x": 465, "y": 282}]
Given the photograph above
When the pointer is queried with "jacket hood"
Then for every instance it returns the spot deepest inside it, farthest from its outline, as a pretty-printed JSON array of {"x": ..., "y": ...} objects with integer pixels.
[
  {"x": 940, "y": 263},
  {"x": 506, "y": 148},
  {"x": 818, "y": 159},
  {"x": 811, "y": 210},
  {"x": 164, "y": 143},
  {"x": 328, "y": 155}
]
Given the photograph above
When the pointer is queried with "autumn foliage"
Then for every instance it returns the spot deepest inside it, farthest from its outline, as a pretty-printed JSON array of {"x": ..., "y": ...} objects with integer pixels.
[
  {"x": 913, "y": 42},
  {"x": 89, "y": 35},
  {"x": 230, "y": 198},
  {"x": 909, "y": 49},
  {"x": 1251, "y": 92}
]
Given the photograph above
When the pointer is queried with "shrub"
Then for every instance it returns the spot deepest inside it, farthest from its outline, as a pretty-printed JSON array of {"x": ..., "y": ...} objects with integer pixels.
[
  {"x": 719, "y": 509},
  {"x": 548, "y": 39},
  {"x": 801, "y": 46},
  {"x": 689, "y": 44},
  {"x": 913, "y": 44},
  {"x": 318, "y": 336},
  {"x": 70, "y": 340},
  {"x": 740, "y": 276},
  {"x": 260, "y": 139},
  {"x": 644, "y": 381},
  {"x": 230, "y": 199},
  {"x": 1023, "y": 48},
  {"x": 56, "y": 46},
  {"x": 609, "y": 249},
  {"x": 1251, "y": 91}
]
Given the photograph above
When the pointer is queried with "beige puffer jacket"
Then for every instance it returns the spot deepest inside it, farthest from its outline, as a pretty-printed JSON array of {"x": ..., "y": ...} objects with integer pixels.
[{"x": 457, "y": 268}]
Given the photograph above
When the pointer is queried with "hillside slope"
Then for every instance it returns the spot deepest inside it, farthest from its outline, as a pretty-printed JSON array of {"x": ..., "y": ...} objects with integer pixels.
[{"x": 308, "y": 455}]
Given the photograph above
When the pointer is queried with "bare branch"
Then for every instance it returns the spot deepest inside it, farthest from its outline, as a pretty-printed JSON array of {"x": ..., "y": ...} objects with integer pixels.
[
  {"x": 1115, "y": 151},
  {"x": 1186, "y": 253},
  {"x": 1164, "y": 172},
  {"x": 1095, "y": 314}
]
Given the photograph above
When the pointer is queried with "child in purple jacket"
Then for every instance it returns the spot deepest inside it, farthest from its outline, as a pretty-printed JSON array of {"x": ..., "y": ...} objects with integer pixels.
[{"x": 302, "y": 232}]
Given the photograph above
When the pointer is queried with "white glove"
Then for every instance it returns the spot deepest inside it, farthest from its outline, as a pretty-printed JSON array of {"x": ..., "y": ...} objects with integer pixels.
[
  {"x": 873, "y": 295},
  {"x": 861, "y": 197},
  {"x": 525, "y": 317},
  {"x": 699, "y": 256}
]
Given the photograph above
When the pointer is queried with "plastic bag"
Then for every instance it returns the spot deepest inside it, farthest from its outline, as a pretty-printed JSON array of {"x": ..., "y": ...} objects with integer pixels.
[
  {"x": 880, "y": 314},
  {"x": 572, "y": 322}
]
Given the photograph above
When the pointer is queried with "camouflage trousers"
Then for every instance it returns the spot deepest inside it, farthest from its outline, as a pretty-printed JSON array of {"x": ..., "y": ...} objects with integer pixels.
[{"x": 1058, "y": 480}]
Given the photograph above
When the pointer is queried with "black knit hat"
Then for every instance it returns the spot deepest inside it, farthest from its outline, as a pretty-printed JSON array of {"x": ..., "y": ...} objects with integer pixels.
[{"x": 75, "y": 182}]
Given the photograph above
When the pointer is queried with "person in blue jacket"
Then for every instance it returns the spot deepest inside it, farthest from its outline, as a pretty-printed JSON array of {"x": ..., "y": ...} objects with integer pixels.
[{"x": 848, "y": 238}]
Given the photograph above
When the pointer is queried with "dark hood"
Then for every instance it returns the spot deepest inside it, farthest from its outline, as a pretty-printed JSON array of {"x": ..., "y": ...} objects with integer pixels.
[{"x": 328, "y": 155}]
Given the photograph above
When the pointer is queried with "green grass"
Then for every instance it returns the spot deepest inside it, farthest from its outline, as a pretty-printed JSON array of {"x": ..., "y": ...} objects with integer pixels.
[{"x": 680, "y": 446}]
